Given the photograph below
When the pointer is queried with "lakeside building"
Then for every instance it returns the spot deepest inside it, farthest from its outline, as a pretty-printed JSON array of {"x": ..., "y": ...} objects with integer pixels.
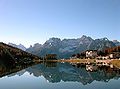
[
  {"x": 91, "y": 54},
  {"x": 109, "y": 53},
  {"x": 114, "y": 55}
]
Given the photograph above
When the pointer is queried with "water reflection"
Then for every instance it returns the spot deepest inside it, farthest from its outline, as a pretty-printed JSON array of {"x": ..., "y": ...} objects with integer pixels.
[
  {"x": 67, "y": 73},
  {"x": 57, "y": 72}
]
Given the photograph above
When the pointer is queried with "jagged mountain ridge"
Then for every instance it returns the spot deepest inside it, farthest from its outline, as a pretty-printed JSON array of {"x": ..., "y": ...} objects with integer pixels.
[
  {"x": 66, "y": 47},
  {"x": 116, "y": 42},
  {"x": 20, "y": 46}
]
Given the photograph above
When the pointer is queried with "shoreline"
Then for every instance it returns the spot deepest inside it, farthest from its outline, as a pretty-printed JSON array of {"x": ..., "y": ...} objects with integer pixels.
[{"x": 114, "y": 62}]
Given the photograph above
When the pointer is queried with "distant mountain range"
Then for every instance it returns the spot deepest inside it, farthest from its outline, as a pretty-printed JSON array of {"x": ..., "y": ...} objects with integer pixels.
[
  {"x": 66, "y": 47},
  {"x": 117, "y": 43},
  {"x": 20, "y": 46}
]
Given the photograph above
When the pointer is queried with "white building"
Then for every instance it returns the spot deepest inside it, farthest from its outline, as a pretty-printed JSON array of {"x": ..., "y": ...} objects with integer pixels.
[{"x": 91, "y": 54}]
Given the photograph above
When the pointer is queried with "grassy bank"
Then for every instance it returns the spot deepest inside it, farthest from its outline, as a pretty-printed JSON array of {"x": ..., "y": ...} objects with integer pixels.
[
  {"x": 74, "y": 60},
  {"x": 116, "y": 63},
  {"x": 79, "y": 60}
]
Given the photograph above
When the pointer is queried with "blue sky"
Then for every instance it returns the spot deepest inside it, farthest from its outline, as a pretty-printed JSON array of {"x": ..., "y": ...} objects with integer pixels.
[{"x": 35, "y": 21}]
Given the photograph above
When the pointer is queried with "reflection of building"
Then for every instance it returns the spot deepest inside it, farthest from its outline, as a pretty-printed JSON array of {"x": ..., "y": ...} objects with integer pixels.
[
  {"x": 67, "y": 73},
  {"x": 114, "y": 55},
  {"x": 91, "y": 54}
]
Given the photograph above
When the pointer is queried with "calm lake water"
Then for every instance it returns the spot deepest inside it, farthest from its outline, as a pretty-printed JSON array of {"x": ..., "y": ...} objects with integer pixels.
[{"x": 59, "y": 76}]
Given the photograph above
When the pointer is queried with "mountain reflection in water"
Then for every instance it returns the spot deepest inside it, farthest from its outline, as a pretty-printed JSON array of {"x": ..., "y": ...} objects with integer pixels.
[{"x": 57, "y": 72}]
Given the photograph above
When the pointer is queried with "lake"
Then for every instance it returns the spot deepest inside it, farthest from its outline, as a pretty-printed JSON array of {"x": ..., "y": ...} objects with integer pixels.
[{"x": 58, "y": 76}]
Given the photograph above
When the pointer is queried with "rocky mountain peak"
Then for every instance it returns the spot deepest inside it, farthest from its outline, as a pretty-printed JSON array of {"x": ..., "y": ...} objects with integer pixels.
[
  {"x": 104, "y": 39},
  {"x": 85, "y": 40},
  {"x": 84, "y": 37},
  {"x": 52, "y": 42},
  {"x": 66, "y": 47},
  {"x": 20, "y": 46},
  {"x": 116, "y": 42},
  {"x": 37, "y": 45}
]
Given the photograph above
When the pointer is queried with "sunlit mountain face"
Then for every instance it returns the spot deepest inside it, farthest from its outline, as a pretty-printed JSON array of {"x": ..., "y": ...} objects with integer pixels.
[{"x": 66, "y": 47}]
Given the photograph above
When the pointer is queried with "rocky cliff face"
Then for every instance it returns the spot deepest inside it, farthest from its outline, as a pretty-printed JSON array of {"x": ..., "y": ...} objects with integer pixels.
[
  {"x": 100, "y": 44},
  {"x": 66, "y": 47}
]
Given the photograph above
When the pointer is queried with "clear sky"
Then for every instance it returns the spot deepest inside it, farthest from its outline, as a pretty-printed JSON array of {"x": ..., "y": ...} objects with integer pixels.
[{"x": 31, "y": 21}]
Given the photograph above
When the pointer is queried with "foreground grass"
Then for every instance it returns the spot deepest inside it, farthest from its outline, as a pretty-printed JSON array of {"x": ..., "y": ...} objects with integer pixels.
[
  {"x": 116, "y": 63},
  {"x": 74, "y": 60},
  {"x": 79, "y": 60}
]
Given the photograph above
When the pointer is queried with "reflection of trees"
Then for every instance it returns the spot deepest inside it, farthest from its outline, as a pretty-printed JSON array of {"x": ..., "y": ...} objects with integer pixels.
[
  {"x": 4, "y": 69},
  {"x": 66, "y": 73},
  {"x": 50, "y": 64}
]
